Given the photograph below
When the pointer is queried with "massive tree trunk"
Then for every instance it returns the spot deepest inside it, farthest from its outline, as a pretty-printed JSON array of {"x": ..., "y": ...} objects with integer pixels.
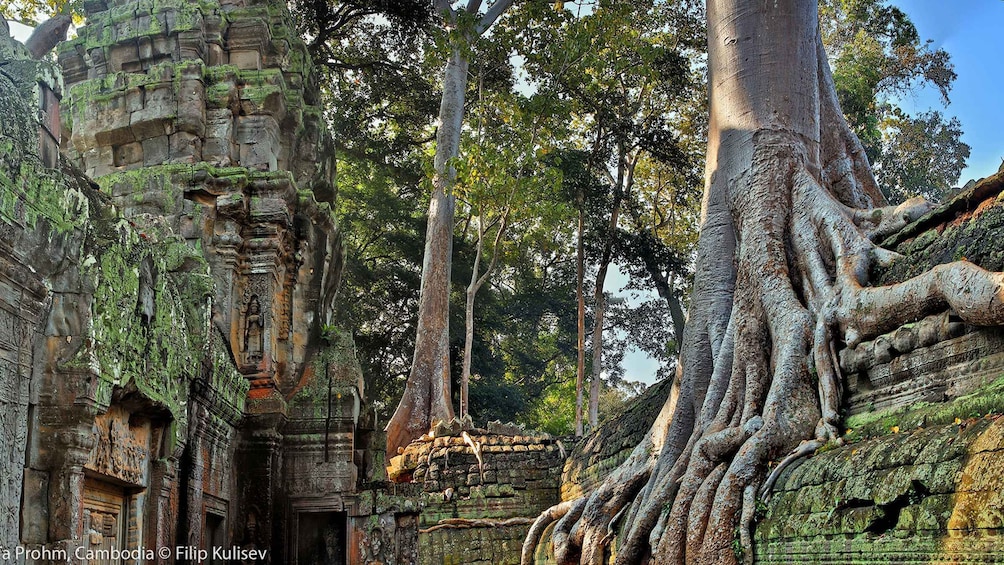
[
  {"x": 427, "y": 392},
  {"x": 782, "y": 278}
]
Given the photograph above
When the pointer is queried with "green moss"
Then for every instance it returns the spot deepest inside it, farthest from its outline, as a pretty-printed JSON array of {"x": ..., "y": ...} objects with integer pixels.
[
  {"x": 336, "y": 363},
  {"x": 30, "y": 191},
  {"x": 988, "y": 399}
]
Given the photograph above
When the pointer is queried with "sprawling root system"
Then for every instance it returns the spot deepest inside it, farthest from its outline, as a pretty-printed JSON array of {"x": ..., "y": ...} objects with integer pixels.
[{"x": 786, "y": 249}]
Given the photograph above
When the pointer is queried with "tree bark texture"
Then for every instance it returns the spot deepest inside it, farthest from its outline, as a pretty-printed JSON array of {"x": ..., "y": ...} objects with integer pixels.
[
  {"x": 788, "y": 216},
  {"x": 580, "y": 324},
  {"x": 427, "y": 392},
  {"x": 600, "y": 306},
  {"x": 478, "y": 280}
]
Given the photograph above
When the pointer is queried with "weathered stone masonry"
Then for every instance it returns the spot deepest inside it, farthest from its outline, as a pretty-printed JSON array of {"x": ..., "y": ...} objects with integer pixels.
[
  {"x": 919, "y": 480},
  {"x": 200, "y": 121},
  {"x": 170, "y": 372},
  {"x": 161, "y": 325},
  {"x": 177, "y": 378}
]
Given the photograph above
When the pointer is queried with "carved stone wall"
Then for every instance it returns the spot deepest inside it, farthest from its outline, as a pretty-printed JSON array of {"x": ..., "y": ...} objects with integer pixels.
[
  {"x": 200, "y": 122},
  {"x": 919, "y": 481},
  {"x": 159, "y": 325}
]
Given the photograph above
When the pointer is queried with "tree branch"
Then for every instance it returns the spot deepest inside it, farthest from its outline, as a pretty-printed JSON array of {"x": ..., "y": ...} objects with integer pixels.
[
  {"x": 473, "y": 6},
  {"x": 491, "y": 15}
]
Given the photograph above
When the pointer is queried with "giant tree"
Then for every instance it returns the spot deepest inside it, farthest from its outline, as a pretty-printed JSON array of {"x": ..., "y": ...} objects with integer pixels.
[
  {"x": 783, "y": 261},
  {"x": 427, "y": 392}
]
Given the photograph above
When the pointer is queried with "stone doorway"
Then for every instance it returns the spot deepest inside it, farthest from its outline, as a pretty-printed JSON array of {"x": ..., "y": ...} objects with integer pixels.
[
  {"x": 321, "y": 538},
  {"x": 106, "y": 514},
  {"x": 215, "y": 536}
]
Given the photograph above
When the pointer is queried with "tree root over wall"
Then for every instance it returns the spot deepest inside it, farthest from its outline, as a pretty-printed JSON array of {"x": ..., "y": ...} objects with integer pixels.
[{"x": 784, "y": 257}]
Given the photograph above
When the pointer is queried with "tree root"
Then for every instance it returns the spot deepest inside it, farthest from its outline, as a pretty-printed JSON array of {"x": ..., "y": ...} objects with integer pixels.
[
  {"x": 545, "y": 519},
  {"x": 786, "y": 248},
  {"x": 462, "y": 523},
  {"x": 804, "y": 449}
]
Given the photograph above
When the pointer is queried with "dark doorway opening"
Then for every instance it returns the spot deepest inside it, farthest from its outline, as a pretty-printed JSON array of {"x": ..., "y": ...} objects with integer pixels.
[{"x": 321, "y": 538}]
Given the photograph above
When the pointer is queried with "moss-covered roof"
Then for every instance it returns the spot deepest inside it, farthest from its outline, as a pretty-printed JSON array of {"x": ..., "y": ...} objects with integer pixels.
[{"x": 970, "y": 227}]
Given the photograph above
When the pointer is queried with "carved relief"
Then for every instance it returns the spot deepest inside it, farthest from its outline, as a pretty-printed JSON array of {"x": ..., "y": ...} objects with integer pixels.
[
  {"x": 253, "y": 332},
  {"x": 122, "y": 450},
  {"x": 13, "y": 440},
  {"x": 8, "y": 328}
]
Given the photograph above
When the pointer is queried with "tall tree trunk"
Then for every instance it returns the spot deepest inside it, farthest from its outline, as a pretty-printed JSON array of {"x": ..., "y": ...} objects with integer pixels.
[
  {"x": 781, "y": 281},
  {"x": 472, "y": 289},
  {"x": 622, "y": 185},
  {"x": 580, "y": 275},
  {"x": 427, "y": 392},
  {"x": 477, "y": 281},
  {"x": 599, "y": 311}
]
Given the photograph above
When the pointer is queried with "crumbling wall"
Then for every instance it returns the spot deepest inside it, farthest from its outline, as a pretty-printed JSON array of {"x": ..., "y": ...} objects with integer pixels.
[
  {"x": 200, "y": 122},
  {"x": 591, "y": 459},
  {"x": 927, "y": 493},
  {"x": 920, "y": 479},
  {"x": 29, "y": 203},
  {"x": 476, "y": 495},
  {"x": 104, "y": 347}
]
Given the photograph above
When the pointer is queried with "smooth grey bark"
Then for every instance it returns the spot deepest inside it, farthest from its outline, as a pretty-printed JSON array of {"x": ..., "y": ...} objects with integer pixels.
[
  {"x": 427, "y": 393},
  {"x": 781, "y": 279},
  {"x": 580, "y": 324},
  {"x": 477, "y": 281},
  {"x": 600, "y": 298}
]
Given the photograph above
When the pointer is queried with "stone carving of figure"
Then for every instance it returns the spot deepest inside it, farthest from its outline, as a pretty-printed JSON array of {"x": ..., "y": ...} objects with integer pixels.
[{"x": 253, "y": 332}]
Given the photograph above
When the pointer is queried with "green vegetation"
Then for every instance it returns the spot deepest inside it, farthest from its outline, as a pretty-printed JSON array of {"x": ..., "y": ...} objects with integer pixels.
[
  {"x": 877, "y": 55},
  {"x": 988, "y": 399}
]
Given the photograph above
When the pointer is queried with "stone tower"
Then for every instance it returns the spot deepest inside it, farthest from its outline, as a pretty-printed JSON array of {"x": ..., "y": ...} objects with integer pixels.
[
  {"x": 172, "y": 368},
  {"x": 201, "y": 122}
]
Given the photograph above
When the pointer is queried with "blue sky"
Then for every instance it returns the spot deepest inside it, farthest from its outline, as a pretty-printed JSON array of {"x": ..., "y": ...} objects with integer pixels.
[{"x": 970, "y": 31}]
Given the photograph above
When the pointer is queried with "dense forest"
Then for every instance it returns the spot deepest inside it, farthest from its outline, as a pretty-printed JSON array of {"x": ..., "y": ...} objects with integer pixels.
[{"x": 573, "y": 165}]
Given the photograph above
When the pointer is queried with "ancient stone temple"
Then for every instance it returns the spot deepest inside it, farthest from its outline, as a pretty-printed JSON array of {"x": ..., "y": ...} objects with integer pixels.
[
  {"x": 169, "y": 370},
  {"x": 171, "y": 375},
  {"x": 919, "y": 480}
]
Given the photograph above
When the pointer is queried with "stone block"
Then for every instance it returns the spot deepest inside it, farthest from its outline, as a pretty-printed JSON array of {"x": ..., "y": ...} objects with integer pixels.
[
  {"x": 218, "y": 147},
  {"x": 35, "y": 507},
  {"x": 191, "y": 102},
  {"x": 191, "y": 44},
  {"x": 130, "y": 154},
  {"x": 156, "y": 150},
  {"x": 233, "y": 205},
  {"x": 108, "y": 121},
  {"x": 159, "y": 110},
  {"x": 215, "y": 55},
  {"x": 246, "y": 41},
  {"x": 246, "y": 60},
  {"x": 146, "y": 124},
  {"x": 153, "y": 50},
  {"x": 185, "y": 148},
  {"x": 258, "y": 137},
  {"x": 94, "y": 6},
  {"x": 124, "y": 57},
  {"x": 98, "y": 161}
]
